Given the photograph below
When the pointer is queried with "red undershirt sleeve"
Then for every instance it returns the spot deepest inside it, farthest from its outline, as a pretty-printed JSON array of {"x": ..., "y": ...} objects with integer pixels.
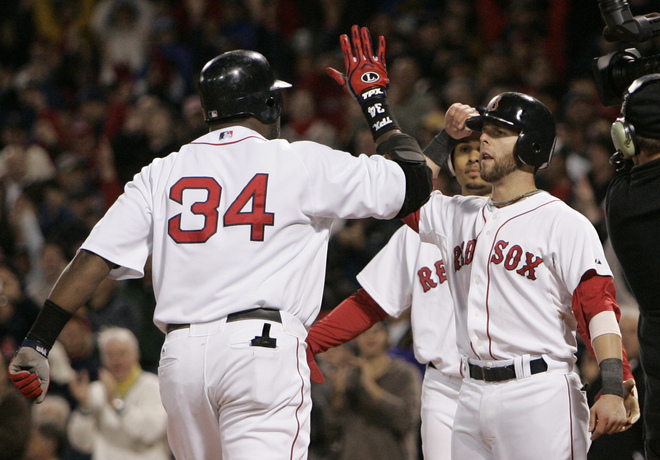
[
  {"x": 593, "y": 295},
  {"x": 412, "y": 220},
  {"x": 349, "y": 319}
]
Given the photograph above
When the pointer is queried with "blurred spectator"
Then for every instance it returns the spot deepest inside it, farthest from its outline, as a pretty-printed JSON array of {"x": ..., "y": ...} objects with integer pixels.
[
  {"x": 53, "y": 262},
  {"x": 17, "y": 312},
  {"x": 409, "y": 94},
  {"x": 47, "y": 442},
  {"x": 328, "y": 405},
  {"x": 15, "y": 418},
  {"x": 21, "y": 161},
  {"x": 382, "y": 400},
  {"x": 79, "y": 354},
  {"x": 63, "y": 23},
  {"x": 123, "y": 28},
  {"x": 120, "y": 416},
  {"x": 304, "y": 123},
  {"x": 148, "y": 132},
  {"x": 193, "y": 123},
  {"x": 48, "y": 438},
  {"x": 110, "y": 306}
]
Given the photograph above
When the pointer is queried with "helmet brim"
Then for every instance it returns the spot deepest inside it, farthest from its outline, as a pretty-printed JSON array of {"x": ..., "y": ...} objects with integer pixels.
[
  {"x": 280, "y": 84},
  {"x": 476, "y": 123}
]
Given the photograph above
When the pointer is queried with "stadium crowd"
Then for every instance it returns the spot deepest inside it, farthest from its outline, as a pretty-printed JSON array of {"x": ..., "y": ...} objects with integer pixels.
[{"x": 93, "y": 90}]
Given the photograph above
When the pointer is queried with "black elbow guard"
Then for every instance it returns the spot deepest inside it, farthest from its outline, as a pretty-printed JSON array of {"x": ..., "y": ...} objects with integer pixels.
[{"x": 405, "y": 150}]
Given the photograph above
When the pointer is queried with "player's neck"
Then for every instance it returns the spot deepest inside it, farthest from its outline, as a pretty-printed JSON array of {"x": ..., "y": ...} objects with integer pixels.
[{"x": 513, "y": 186}]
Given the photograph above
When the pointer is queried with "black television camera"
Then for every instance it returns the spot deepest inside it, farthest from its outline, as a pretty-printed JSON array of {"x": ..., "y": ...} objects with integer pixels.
[{"x": 614, "y": 72}]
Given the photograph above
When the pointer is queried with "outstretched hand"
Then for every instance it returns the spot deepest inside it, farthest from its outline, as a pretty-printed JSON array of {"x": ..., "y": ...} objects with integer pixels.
[{"x": 366, "y": 74}]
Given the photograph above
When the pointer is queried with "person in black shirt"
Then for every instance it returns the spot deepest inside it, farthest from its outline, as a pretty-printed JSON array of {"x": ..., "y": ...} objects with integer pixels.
[{"x": 633, "y": 224}]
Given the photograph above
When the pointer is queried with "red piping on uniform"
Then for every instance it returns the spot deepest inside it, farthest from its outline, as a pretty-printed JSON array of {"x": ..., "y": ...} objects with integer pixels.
[
  {"x": 302, "y": 397},
  {"x": 226, "y": 143},
  {"x": 570, "y": 415},
  {"x": 490, "y": 342}
]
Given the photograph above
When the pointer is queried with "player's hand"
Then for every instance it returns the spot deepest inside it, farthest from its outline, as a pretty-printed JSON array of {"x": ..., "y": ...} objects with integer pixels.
[
  {"x": 366, "y": 74},
  {"x": 30, "y": 373},
  {"x": 608, "y": 416},
  {"x": 455, "y": 118},
  {"x": 631, "y": 403}
]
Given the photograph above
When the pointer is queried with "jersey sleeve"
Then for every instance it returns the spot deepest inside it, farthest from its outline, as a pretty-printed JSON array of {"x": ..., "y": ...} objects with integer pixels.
[
  {"x": 347, "y": 187},
  {"x": 435, "y": 219},
  {"x": 579, "y": 250},
  {"x": 124, "y": 234},
  {"x": 593, "y": 295},
  {"x": 388, "y": 277}
]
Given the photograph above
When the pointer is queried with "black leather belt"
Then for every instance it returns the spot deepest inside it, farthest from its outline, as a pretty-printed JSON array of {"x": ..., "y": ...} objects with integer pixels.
[
  {"x": 503, "y": 373},
  {"x": 268, "y": 314}
]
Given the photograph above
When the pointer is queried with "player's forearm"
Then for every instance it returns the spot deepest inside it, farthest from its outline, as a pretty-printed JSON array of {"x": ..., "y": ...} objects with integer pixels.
[
  {"x": 79, "y": 280},
  {"x": 607, "y": 348},
  {"x": 75, "y": 286},
  {"x": 349, "y": 319}
]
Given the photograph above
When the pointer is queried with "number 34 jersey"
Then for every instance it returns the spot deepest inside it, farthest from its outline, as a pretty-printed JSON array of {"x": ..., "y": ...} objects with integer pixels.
[{"x": 235, "y": 221}]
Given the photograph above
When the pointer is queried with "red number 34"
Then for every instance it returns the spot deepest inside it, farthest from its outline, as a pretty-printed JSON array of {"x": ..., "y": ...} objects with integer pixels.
[{"x": 257, "y": 218}]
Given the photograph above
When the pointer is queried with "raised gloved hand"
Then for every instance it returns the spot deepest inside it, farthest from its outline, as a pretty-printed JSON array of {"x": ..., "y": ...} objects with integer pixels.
[
  {"x": 366, "y": 79},
  {"x": 366, "y": 75},
  {"x": 30, "y": 372}
]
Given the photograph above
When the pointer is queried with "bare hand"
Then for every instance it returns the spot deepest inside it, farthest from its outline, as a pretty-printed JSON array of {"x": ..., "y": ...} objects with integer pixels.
[
  {"x": 109, "y": 382},
  {"x": 608, "y": 416},
  {"x": 631, "y": 403},
  {"x": 455, "y": 118},
  {"x": 79, "y": 387}
]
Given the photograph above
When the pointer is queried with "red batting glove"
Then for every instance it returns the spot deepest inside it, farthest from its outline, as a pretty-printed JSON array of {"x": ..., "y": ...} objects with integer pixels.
[
  {"x": 28, "y": 383},
  {"x": 29, "y": 372},
  {"x": 366, "y": 74}
]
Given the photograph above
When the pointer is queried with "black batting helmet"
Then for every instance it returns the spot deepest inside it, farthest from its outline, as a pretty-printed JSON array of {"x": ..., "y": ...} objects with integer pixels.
[
  {"x": 240, "y": 83},
  {"x": 536, "y": 141}
]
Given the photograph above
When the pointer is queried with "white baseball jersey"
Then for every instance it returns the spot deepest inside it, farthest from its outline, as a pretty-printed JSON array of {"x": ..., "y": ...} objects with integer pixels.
[
  {"x": 409, "y": 273},
  {"x": 513, "y": 272},
  {"x": 235, "y": 221},
  {"x": 405, "y": 273}
]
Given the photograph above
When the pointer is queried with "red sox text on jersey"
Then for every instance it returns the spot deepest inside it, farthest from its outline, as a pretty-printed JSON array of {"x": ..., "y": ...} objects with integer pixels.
[{"x": 510, "y": 256}]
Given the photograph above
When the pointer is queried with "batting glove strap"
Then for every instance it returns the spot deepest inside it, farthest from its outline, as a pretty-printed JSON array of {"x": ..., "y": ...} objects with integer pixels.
[
  {"x": 378, "y": 113},
  {"x": 48, "y": 325},
  {"x": 41, "y": 348},
  {"x": 611, "y": 372}
]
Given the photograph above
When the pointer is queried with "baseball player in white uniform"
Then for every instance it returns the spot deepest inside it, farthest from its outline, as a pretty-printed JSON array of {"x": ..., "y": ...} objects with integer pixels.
[
  {"x": 237, "y": 223},
  {"x": 526, "y": 272},
  {"x": 406, "y": 273},
  {"x": 409, "y": 273}
]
